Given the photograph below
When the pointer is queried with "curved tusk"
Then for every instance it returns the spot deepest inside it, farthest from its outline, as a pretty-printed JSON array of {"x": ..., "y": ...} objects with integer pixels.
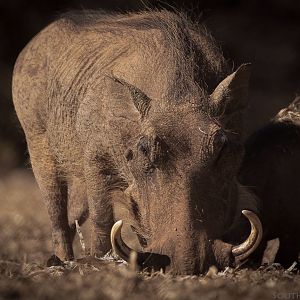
[
  {"x": 118, "y": 245},
  {"x": 247, "y": 247},
  {"x": 142, "y": 260}
]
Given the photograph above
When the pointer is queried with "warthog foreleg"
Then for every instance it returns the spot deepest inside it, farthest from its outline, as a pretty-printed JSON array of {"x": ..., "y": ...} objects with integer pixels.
[
  {"x": 54, "y": 193},
  {"x": 100, "y": 207}
]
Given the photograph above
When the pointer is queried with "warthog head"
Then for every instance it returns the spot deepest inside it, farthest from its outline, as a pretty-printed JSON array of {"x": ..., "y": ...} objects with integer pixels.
[
  {"x": 184, "y": 162},
  {"x": 179, "y": 134}
]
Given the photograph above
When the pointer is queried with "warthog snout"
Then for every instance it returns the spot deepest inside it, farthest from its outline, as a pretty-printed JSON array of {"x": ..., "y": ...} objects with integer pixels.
[{"x": 148, "y": 260}]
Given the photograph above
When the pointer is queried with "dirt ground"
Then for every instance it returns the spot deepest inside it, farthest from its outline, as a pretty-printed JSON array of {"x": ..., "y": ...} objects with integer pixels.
[{"x": 26, "y": 245}]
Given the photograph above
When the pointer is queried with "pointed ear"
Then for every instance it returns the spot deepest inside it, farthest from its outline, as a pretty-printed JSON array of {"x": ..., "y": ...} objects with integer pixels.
[
  {"x": 231, "y": 95},
  {"x": 140, "y": 100}
]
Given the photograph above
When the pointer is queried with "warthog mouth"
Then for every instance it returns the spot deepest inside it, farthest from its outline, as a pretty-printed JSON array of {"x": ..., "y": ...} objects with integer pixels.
[
  {"x": 144, "y": 260},
  {"x": 147, "y": 260}
]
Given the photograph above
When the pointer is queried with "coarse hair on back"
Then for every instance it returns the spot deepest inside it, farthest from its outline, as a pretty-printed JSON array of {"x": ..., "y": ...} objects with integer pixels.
[{"x": 190, "y": 42}]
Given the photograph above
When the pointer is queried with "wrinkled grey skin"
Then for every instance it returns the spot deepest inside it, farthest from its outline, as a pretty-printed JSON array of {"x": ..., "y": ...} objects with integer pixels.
[{"x": 122, "y": 103}]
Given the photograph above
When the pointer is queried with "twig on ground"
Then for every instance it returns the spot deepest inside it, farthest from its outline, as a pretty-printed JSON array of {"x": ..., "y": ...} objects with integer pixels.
[
  {"x": 133, "y": 261},
  {"x": 10, "y": 262},
  {"x": 291, "y": 268},
  {"x": 81, "y": 239}
]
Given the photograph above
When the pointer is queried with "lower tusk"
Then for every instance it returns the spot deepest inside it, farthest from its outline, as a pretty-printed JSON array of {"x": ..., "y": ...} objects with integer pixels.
[
  {"x": 118, "y": 245},
  {"x": 137, "y": 259},
  {"x": 243, "y": 250}
]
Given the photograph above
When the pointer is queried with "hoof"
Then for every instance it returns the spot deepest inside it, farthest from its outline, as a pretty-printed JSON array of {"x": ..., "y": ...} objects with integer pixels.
[{"x": 54, "y": 261}]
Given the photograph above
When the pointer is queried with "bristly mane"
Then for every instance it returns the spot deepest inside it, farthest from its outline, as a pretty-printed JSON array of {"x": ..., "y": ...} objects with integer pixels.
[
  {"x": 290, "y": 114},
  {"x": 192, "y": 45}
]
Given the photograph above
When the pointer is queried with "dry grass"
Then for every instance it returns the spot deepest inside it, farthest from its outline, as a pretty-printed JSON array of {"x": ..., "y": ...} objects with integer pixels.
[{"x": 25, "y": 246}]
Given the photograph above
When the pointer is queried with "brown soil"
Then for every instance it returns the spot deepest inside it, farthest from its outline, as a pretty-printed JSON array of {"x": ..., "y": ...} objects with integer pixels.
[{"x": 25, "y": 247}]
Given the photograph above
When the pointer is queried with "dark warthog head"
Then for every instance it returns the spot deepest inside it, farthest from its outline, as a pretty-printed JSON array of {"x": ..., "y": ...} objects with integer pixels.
[{"x": 183, "y": 195}]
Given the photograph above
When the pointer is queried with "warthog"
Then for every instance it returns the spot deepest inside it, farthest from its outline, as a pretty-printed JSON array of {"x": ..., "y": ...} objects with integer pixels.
[
  {"x": 271, "y": 170},
  {"x": 127, "y": 108}
]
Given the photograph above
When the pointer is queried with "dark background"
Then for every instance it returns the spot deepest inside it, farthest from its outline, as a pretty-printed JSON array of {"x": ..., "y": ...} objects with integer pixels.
[{"x": 265, "y": 33}]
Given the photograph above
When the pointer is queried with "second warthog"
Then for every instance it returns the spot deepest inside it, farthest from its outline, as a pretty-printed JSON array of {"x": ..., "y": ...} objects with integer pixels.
[
  {"x": 271, "y": 170},
  {"x": 142, "y": 109}
]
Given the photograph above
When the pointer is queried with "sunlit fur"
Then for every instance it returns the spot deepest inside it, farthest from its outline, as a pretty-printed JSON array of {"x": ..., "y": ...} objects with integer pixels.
[{"x": 176, "y": 166}]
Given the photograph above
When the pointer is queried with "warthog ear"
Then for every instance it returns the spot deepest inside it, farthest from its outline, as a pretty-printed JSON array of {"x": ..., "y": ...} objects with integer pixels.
[
  {"x": 140, "y": 100},
  {"x": 231, "y": 94}
]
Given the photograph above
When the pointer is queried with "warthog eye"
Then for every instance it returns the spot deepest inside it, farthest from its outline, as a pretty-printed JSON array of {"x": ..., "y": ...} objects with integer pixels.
[
  {"x": 128, "y": 154},
  {"x": 220, "y": 140},
  {"x": 219, "y": 144},
  {"x": 155, "y": 150},
  {"x": 143, "y": 146}
]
